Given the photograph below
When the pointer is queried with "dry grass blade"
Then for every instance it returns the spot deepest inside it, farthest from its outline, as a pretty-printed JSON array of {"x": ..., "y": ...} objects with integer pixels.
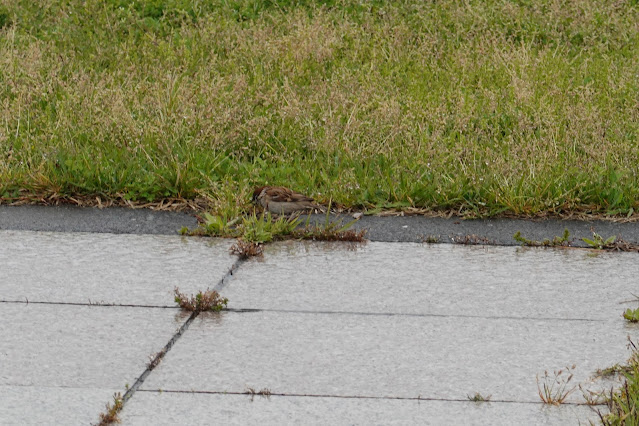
[
  {"x": 210, "y": 300},
  {"x": 246, "y": 249},
  {"x": 554, "y": 389},
  {"x": 265, "y": 392}
]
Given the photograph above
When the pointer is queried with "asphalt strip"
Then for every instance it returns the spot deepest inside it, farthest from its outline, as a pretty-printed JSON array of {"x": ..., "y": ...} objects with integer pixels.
[{"x": 419, "y": 229}]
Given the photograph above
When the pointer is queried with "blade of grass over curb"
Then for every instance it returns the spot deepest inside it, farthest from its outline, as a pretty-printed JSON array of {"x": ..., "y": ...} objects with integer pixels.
[{"x": 480, "y": 108}]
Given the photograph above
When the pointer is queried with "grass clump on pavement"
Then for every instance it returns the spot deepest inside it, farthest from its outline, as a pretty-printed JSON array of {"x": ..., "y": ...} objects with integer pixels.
[
  {"x": 554, "y": 390},
  {"x": 210, "y": 300},
  {"x": 480, "y": 108},
  {"x": 112, "y": 410}
]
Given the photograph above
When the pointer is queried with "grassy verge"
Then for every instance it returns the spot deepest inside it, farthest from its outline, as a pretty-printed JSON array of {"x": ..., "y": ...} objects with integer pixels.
[
  {"x": 623, "y": 403},
  {"x": 521, "y": 107}
]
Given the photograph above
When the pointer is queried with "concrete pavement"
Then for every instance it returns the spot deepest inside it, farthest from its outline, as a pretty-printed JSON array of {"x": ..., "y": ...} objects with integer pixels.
[{"x": 378, "y": 333}]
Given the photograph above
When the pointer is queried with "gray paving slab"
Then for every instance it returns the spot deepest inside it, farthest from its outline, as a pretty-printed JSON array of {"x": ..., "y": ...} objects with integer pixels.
[
  {"x": 383, "y": 356},
  {"x": 62, "y": 357},
  {"x": 80, "y": 346},
  {"x": 441, "y": 279},
  {"x": 52, "y": 405},
  {"x": 108, "y": 268},
  {"x": 202, "y": 409}
]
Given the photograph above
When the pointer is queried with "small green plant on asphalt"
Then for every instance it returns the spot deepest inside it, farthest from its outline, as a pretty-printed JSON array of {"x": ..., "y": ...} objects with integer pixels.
[
  {"x": 330, "y": 230},
  {"x": 253, "y": 230},
  {"x": 210, "y": 300},
  {"x": 112, "y": 410},
  {"x": 554, "y": 389},
  {"x": 631, "y": 315},
  {"x": 597, "y": 241},
  {"x": 478, "y": 397},
  {"x": 471, "y": 240},
  {"x": 431, "y": 239},
  {"x": 623, "y": 403},
  {"x": 557, "y": 241},
  {"x": 215, "y": 226},
  {"x": 264, "y": 228}
]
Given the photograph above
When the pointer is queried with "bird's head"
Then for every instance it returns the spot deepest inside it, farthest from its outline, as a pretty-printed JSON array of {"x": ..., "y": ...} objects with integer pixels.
[{"x": 256, "y": 193}]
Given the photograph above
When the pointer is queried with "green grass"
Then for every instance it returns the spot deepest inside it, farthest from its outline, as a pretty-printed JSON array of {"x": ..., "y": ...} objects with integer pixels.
[
  {"x": 499, "y": 106},
  {"x": 623, "y": 402}
]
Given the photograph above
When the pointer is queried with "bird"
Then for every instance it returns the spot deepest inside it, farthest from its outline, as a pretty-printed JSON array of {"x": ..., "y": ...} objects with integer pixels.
[{"x": 281, "y": 200}]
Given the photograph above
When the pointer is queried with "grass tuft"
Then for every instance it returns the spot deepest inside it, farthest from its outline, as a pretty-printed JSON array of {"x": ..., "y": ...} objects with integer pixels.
[
  {"x": 557, "y": 241},
  {"x": 623, "y": 403},
  {"x": 246, "y": 249},
  {"x": 478, "y": 397},
  {"x": 477, "y": 108},
  {"x": 554, "y": 390},
  {"x": 210, "y": 300},
  {"x": 112, "y": 410}
]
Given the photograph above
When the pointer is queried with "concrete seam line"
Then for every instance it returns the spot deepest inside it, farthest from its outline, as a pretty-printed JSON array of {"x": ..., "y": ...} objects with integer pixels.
[
  {"x": 395, "y": 314},
  {"x": 399, "y": 398},
  {"x": 97, "y": 304}
]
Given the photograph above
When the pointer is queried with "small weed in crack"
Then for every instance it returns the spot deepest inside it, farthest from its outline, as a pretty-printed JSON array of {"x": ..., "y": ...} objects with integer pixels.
[
  {"x": 430, "y": 239},
  {"x": 471, "y": 240},
  {"x": 631, "y": 315},
  {"x": 479, "y": 397},
  {"x": 554, "y": 389},
  {"x": 245, "y": 249},
  {"x": 210, "y": 300},
  {"x": 265, "y": 393},
  {"x": 111, "y": 415},
  {"x": 155, "y": 359},
  {"x": 555, "y": 242}
]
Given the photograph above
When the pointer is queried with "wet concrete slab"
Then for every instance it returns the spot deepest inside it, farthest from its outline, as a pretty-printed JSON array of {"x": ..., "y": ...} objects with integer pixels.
[
  {"x": 423, "y": 279},
  {"x": 81, "y": 346},
  {"x": 79, "y": 353},
  {"x": 108, "y": 268},
  {"x": 384, "y": 356},
  {"x": 198, "y": 409},
  {"x": 52, "y": 405}
]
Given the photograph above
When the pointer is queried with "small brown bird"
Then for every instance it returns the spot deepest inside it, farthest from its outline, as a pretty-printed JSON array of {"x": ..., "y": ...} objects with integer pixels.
[{"x": 281, "y": 200}]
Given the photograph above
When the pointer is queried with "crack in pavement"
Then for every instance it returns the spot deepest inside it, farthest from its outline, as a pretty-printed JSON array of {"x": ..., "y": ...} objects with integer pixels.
[{"x": 162, "y": 353}]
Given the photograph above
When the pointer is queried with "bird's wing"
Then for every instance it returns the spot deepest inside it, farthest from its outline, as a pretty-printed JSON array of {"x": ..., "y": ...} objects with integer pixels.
[{"x": 282, "y": 194}]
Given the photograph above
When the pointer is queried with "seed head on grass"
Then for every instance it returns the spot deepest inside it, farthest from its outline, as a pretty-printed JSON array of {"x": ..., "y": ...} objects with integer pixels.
[
  {"x": 111, "y": 415},
  {"x": 554, "y": 389},
  {"x": 210, "y": 300}
]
